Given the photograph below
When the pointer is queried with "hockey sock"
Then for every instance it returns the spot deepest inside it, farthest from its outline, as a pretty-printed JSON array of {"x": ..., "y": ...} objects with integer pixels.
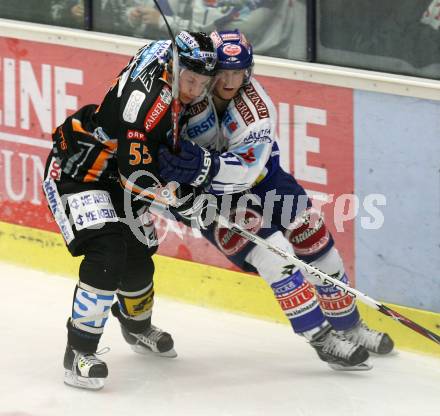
[
  {"x": 338, "y": 307},
  {"x": 295, "y": 295},
  {"x": 299, "y": 303},
  {"x": 90, "y": 310},
  {"x": 134, "y": 309}
]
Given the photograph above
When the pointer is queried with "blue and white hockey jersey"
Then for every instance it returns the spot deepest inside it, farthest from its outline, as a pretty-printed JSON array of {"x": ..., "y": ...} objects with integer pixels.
[{"x": 245, "y": 138}]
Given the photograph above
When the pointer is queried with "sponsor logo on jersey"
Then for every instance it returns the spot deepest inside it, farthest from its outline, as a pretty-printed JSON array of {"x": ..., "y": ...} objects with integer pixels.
[
  {"x": 231, "y": 50},
  {"x": 51, "y": 196},
  {"x": 90, "y": 208},
  {"x": 136, "y": 135},
  {"x": 231, "y": 243},
  {"x": 57, "y": 208},
  {"x": 263, "y": 136},
  {"x": 230, "y": 123},
  {"x": 166, "y": 95},
  {"x": 249, "y": 156},
  {"x": 201, "y": 127},
  {"x": 232, "y": 126},
  {"x": 198, "y": 108},
  {"x": 244, "y": 110},
  {"x": 133, "y": 106},
  {"x": 63, "y": 142},
  {"x": 158, "y": 110},
  {"x": 54, "y": 170},
  {"x": 257, "y": 101}
]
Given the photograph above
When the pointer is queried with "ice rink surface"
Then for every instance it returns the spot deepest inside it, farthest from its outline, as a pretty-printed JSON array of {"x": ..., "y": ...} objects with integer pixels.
[{"x": 227, "y": 365}]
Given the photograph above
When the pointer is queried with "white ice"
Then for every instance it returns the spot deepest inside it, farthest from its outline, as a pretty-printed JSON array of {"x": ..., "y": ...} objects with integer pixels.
[{"x": 227, "y": 365}]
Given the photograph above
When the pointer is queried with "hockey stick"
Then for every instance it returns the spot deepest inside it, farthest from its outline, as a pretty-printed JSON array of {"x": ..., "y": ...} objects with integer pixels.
[
  {"x": 162, "y": 205},
  {"x": 175, "y": 104},
  {"x": 326, "y": 279}
]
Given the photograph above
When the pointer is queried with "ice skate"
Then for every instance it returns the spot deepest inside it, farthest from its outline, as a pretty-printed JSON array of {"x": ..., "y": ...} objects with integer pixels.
[
  {"x": 153, "y": 340},
  {"x": 339, "y": 352},
  {"x": 374, "y": 341},
  {"x": 147, "y": 341},
  {"x": 84, "y": 370}
]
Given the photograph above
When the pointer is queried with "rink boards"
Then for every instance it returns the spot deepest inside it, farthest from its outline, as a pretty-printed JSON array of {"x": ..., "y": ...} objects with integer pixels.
[
  {"x": 200, "y": 284},
  {"x": 364, "y": 144}
]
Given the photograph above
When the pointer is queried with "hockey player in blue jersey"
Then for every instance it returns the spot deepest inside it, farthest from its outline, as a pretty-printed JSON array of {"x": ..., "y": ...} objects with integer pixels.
[{"x": 232, "y": 131}]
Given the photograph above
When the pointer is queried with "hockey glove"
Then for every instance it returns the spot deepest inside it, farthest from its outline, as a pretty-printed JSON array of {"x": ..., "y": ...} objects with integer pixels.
[
  {"x": 195, "y": 208},
  {"x": 194, "y": 165}
]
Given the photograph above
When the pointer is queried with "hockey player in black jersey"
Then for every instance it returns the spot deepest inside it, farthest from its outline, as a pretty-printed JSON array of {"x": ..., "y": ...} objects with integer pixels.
[{"x": 95, "y": 151}]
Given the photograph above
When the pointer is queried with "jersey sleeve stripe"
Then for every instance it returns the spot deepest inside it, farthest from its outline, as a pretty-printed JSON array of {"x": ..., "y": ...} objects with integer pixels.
[{"x": 98, "y": 166}]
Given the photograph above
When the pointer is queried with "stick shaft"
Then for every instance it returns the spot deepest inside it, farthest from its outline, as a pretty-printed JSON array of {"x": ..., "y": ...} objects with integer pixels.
[
  {"x": 175, "y": 105},
  {"x": 326, "y": 279}
]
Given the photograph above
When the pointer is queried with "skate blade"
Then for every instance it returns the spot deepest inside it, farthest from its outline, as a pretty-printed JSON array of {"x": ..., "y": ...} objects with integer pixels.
[
  {"x": 139, "y": 349},
  {"x": 88, "y": 383},
  {"x": 365, "y": 366}
]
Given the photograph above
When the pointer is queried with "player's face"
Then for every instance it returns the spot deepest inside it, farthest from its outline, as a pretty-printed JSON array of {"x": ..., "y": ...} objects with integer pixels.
[
  {"x": 228, "y": 83},
  {"x": 192, "y": 85}
]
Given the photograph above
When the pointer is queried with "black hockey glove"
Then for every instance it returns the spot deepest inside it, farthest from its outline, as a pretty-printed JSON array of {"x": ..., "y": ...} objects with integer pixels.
[
  {"x": 194, "y": 165},
  {"x": 194, "y": 208}
]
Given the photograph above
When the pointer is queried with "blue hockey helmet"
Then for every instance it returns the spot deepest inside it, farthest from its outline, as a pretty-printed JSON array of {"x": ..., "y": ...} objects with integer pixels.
[
  {"x": 233, "y": 51},
  {"x": 197, "y": 52}
]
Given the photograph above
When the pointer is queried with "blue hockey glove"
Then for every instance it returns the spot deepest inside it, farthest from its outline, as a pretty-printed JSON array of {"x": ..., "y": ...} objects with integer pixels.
[{"x": 194, "y": 165}]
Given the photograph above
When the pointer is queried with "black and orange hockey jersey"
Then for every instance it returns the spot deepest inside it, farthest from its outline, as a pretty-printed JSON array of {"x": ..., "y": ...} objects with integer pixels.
[{"x": 121, "y": 137}]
